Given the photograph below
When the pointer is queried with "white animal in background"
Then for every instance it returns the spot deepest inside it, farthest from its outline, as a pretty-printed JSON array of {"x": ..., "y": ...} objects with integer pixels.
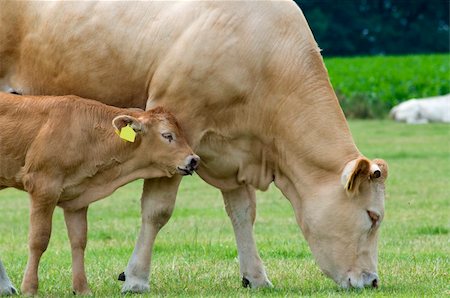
[{"x": 425, "y": 110}]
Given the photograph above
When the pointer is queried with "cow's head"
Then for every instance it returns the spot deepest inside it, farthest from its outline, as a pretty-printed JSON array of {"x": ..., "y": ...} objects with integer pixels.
[
  {"x": 162, "y": 142},
  {"x": 341, "y": 224}
]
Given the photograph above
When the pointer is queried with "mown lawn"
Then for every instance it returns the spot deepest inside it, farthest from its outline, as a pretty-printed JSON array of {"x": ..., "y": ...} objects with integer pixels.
[{"x": 195, "y": 254}]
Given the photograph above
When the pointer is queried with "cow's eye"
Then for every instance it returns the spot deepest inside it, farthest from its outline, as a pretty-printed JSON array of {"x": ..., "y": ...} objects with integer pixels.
[
  {"x": 374, "y": 218},
  {"x": 168, "y": 136}
]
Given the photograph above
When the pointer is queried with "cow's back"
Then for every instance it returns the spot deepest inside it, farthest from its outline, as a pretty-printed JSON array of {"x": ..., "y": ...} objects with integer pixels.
[{"x": 122, "y": 52}]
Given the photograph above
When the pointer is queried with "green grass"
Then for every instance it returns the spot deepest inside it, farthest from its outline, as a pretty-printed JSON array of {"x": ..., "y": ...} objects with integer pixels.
[
  {"x": 195, "y": 254},
  {"x": 368, "y": 87}
]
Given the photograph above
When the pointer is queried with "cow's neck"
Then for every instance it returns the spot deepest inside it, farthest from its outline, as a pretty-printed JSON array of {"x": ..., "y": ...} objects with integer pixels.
[
  {"x": 313, "y": 147},
  {"x": 301, "y": 142}
]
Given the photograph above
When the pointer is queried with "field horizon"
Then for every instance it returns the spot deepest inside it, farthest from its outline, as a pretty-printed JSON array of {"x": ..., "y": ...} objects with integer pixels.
[{"x": 369, "y": 86}]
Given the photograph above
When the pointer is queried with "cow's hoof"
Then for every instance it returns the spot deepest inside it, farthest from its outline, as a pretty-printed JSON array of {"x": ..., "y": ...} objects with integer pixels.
[
  {"x": 256, "y": 283},
  {"x": 246, "y": 283},
  {"x": 122, "y": 276},
  {"x": 8, "y": 291},
  {"x": 134, "y": 285}
]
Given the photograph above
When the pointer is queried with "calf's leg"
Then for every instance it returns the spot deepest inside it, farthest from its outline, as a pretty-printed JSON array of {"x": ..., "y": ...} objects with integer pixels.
[
  {"x": 157, "y": 203},
  {"x": 41, "y": 212},
  {"x": 240, "y": 205},
  {"x": 6, "y": 287},
  {"x": 76, "y": 223}
]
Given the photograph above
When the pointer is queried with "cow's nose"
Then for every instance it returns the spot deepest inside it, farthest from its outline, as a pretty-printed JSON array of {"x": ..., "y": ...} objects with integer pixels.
[
  {"x": 375, "y": 283},
  {"x": 371, "y": 279},
  {"x": 193, "y": 162}
]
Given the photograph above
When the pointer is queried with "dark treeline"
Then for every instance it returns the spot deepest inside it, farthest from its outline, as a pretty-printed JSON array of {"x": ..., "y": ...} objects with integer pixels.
[{"x": 368, "y": 27}]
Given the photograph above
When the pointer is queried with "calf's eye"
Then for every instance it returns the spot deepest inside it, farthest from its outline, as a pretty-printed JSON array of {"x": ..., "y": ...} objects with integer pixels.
[{"x": 168, "y": 136}]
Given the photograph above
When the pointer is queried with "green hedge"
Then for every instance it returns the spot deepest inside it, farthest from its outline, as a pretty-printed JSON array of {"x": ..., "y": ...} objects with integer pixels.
[{"x": 368, "y": 87}]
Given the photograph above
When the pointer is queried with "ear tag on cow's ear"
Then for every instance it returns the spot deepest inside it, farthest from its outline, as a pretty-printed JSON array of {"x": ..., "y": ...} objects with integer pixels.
[{"x": 127, "y": 133}]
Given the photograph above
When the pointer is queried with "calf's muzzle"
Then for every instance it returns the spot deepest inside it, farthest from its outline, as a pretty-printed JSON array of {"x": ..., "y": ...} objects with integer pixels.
[{"x": 191, "y": 164}]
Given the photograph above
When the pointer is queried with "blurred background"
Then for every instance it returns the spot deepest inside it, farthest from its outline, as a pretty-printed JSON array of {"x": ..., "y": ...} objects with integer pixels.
[
  {"x": 402, "y": 49},
  {"x": 379, "y": 27}
]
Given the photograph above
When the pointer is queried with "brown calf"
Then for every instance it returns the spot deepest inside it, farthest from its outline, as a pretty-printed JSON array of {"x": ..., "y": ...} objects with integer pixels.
[{"x": 67, "y": 151}]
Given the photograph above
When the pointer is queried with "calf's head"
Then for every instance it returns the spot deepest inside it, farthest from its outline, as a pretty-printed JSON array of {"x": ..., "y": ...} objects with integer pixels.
[
  {"x": 162, "y": 144},
  {"x": 341, "y": 224}
]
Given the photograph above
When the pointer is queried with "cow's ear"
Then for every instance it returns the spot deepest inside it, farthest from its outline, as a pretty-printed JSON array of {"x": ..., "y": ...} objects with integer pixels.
[
  {"x": 354, "y": 173},
  {"x": 123, "y": 120}
]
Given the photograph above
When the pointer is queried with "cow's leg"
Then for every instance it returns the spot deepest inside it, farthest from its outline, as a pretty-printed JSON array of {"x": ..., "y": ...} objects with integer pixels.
[
  {"x": 157, "y": 202},
  {"x": 6, "y": 287},
  {"x": 240, "y": 205},
  {"x": 76, "y": 222},
  {"x": 41, "y": 212}
]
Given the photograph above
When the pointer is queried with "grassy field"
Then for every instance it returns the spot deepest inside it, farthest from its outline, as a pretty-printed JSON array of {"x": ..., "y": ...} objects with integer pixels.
[
  {"x": 368, "y": 87},
  {"x": 195, "y": 254}
]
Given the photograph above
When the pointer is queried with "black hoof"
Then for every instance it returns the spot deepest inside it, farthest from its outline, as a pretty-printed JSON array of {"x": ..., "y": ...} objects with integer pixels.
[
  {"x": 121, "y": 276},
  {"x": 13, "y": 291},
  {"x": 246, "y": 283}
]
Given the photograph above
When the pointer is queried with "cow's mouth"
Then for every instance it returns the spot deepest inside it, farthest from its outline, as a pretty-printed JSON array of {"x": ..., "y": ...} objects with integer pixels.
[{"x": 185, "y": 171}]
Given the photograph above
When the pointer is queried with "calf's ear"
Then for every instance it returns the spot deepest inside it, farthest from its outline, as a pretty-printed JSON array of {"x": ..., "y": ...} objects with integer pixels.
[
  {"x": 123, "y": 120},
  {"x": 354, "y": 173}
]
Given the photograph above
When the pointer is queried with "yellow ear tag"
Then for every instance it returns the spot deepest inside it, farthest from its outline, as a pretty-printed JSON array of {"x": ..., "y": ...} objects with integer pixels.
[{"x": 127, "y": 134}]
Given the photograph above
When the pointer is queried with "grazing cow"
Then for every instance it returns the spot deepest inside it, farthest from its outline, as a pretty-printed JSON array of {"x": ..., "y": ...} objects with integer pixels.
[
  {"x": 424, "y": 110},
  {"x": 248, "y": 85},
  {"x": 64, "y": 151}
]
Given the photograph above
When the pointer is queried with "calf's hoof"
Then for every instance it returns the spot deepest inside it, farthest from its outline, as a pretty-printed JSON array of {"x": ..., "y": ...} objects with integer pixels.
[
  {"x": 29, "y": 291},
  {"x": 29, "y": 286},
  {"x": 83, "y": 292}
]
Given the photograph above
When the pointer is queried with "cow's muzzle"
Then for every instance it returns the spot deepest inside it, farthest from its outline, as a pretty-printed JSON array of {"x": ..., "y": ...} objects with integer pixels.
[
  {"x": 370, "y": 279},
  {"x": 191, "y": 164},
  {"x": 366, "y": 279}
]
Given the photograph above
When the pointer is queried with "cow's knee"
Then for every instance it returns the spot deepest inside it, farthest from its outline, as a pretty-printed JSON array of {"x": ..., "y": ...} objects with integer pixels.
[{"x": 159, "y": 217}]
